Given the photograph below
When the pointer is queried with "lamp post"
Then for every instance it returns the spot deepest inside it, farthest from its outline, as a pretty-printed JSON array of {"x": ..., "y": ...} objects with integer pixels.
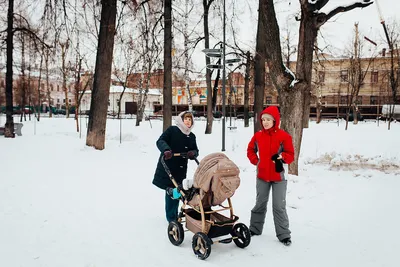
[
  {"x": 217, "y": 53},
  {"x": 223, "y": 78}
]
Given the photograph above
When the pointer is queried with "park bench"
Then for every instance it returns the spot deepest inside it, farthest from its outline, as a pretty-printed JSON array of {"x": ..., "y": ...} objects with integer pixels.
[{"x": 17, "y": 129}]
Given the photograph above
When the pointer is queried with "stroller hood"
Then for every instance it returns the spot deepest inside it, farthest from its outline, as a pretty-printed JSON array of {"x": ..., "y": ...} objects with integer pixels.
[{"x": 216, "y": 173}]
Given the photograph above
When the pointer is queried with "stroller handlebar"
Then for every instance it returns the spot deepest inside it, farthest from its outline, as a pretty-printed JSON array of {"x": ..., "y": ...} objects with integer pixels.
[{"x": 184, "y": 155}]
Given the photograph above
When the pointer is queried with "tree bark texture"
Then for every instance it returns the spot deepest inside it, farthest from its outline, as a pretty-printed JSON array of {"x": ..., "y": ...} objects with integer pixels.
[
  {"x": 210, "y": 117},
  {"x": 290, "y": 99},
  {"x": 259, "y": 63},
  {"x": 246, "y": 90},
  {"x": 9, "y": 127},
  {"x": 102, "y": 76},
  {"x": 167, "y": 90}
]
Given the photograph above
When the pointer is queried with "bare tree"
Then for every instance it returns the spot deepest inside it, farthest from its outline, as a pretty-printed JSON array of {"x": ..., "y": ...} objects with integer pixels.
[
  {"x": 150, "y": 53},
  {"x": 102, "y": 76},
  {"x": 259, "y": 59},
  {"x": 392, "y": 38},
  {"x": 9, "y": 126},
  {"x": 167, "y": 90},
  {"x": 206, "y": 9},
  {"x": 295, "y": 89},
  {"x": 356, "y": 76}
]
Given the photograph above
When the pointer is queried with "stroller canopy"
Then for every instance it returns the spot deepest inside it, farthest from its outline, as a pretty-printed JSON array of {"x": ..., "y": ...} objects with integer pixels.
[{"x": 216, "y": 173}]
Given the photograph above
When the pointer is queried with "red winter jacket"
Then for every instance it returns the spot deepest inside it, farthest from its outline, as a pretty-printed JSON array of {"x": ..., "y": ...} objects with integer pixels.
[{"x": 267, "y": 143}]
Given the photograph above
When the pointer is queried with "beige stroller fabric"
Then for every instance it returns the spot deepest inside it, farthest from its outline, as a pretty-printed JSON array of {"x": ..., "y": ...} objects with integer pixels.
[{"x": 218, "y": 177}]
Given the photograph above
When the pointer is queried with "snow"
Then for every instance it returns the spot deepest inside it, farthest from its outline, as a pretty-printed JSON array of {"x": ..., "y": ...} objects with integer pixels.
[{"x": 67, "y": 205}]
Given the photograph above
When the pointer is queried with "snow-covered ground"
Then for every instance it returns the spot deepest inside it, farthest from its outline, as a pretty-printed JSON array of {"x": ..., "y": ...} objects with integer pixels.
[{"x": 63, "y": 204}]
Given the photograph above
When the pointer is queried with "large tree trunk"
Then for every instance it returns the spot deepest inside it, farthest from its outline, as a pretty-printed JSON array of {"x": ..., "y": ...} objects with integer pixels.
[
  {"x": 102, "y": 76},
  {"x": 290, "y": 99},
  {"x": 9, "y": 127},
  {"x": 210, "y": 117},
  {"x": 259, "y": 63},
  {"x": 291, "y": 107},
  {"x": 246, "y": 90},
  {"x": 167, "y": 90},
  {"x": 307, "y": 35}
]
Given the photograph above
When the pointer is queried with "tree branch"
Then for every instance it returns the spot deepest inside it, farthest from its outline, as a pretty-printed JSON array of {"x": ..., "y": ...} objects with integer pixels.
[
  {"x": 341, "y": 9},
  {"x": 32, "y": 34}
]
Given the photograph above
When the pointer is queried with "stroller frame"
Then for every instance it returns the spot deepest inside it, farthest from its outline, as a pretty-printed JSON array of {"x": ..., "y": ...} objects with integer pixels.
[{"x": 205, "y": 222}]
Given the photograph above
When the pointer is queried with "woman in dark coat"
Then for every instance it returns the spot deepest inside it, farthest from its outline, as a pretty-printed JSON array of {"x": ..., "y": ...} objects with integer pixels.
[{"x": 176, "y": 139}]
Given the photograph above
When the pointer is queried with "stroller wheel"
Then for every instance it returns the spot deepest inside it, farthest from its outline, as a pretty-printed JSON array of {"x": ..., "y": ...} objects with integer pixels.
[
  {"x": 201, "y": 245},
  {"x": 241, "y": 235},
  {"x": 175, "y": 233}
]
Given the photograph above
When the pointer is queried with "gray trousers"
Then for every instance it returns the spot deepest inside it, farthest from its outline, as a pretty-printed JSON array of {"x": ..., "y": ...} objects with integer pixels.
[{"x": 259, "y": 211}]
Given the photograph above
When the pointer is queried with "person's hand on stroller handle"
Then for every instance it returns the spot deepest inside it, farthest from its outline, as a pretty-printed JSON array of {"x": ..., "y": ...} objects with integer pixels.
[{"x": 167, "y": 154}]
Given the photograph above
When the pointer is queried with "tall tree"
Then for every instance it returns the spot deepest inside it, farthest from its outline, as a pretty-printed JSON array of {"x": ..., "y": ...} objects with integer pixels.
[
  {"x": 167, "y": 89},
  {"x": 259, "y": 61},
  {"x": 210, "y": 118},
  {"x": 295, "y": 89},
  {"x": 102, "y": 76},
  {"x": 9, "y": 127},
  {"x": 357, "y": 72}
]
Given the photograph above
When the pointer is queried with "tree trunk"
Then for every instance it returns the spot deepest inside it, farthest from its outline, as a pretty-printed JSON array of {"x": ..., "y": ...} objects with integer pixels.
[
  {"x": 259, "y": 63},
  {"x": 308, "y": 34},
  {"x": 102, "y": 76},
  {"x": 167, "y": 90},
  {"x": 9, "y": 127},
  {"x": 64, "y": 48},
  {"x": 291, "y": 99},
  {"x": 77, "y": 90},
  {"x": 48, "y": 83},
  {"x": 246, "y": 90},
  {"x": 319, "y": 110},
  {"x": 355, "y": 113},
  {"x": 210, "y": 94},
  {"x": 291, "y": 109},
  {"x": 23, "y": 78}
]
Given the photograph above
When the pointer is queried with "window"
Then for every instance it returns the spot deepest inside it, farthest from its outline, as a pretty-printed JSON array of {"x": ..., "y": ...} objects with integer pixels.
[
  {"x": 344, "y": 76},
  {"x": 58, "y": 88},
  {"x": 268, "y": 100},
  {"x": 117, "y": 102},
  {"x": 359, "y": 100},
  {"x": 58, "y": 100},
  {"x": 373, "y": 100},
  {"x": 64, "y": 100},
  {"x": 321, "y": 76},
  {"x": 51, "y": 87},
  {"x": 69, "y": 100},
  {"x": 108, "y": 102},
  {"x": 2, "y": 83},
  {"x": 374, "y": 77},
  {"x": 343, "y": 99}
]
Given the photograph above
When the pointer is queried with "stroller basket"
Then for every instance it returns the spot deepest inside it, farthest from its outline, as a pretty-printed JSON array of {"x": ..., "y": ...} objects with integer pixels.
[{"x": 216, "y": 223}]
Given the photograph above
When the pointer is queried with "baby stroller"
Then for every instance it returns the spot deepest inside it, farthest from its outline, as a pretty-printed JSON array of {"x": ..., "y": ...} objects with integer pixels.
[{"x": 214, "y": 182}]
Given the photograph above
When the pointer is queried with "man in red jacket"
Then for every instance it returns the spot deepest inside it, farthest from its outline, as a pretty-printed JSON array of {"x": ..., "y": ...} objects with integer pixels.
[{"x": 269, "y": 149}]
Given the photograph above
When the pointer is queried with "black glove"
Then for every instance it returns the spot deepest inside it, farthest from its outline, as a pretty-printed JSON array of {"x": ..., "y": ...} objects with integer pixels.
[
  {"x": 278, "y": 163},
  {"x": 167, "y": 154},
  {"x": 191, "y": 154}
]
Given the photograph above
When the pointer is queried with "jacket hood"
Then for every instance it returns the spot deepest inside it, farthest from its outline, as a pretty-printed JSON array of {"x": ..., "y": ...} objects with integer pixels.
[
  {"x": 179, "y": 123},
  {"x": 274, "y": 112}
]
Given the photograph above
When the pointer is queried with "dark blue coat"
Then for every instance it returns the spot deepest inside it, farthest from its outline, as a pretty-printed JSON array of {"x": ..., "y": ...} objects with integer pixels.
[{"x": 173, "y": 139}]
